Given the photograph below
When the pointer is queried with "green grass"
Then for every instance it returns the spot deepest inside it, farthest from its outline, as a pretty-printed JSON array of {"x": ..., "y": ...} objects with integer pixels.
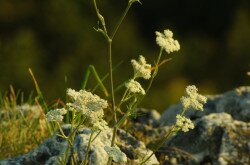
[{"x": 22, "y": 124}]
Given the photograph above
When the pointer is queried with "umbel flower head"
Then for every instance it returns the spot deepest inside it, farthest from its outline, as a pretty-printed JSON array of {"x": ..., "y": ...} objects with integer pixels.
[
  {"x": 141, "y": 68},
  {"x": 84, "y": 101},
  {"x": 95, "y": 120},
  {"x": 135, "y": 87},
  {"x": 100, "y": 125},
  {"x": 184, "y": 123},
  {"x": 165, "y": 40},
  {"x": 115, "y": 153},
  {"x": 193, "y": 99},
  {"x": 56, "y": 115},
  {"x": 89, "y": 105}
]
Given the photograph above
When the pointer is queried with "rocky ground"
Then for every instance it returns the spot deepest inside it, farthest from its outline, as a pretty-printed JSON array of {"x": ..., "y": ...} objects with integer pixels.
[{"x": 221, "y": 137}]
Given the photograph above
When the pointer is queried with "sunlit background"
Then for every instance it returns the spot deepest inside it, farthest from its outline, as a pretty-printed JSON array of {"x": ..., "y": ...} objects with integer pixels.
[{"x": 56, "y": 39}]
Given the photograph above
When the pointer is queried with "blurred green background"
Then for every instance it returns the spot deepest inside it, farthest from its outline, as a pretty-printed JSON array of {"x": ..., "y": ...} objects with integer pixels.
[{"x": 56, "y": 39}]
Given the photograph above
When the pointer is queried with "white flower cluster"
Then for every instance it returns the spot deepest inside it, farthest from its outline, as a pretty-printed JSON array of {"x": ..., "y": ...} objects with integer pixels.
[
  {"x": 184, "y": 123},
  {"x": 115, "y": 153},
  {"x": 166, "y": 41},
  {"x": 95, "y": 120},
  {"x": 91, "y": 106},
  {"x": 100, "y": 125},
  {"x": 192, "y": 99},
  {"x": 84, "y": 101},
  {"x": 56, "y": 115},
  {"x": 141, "y": 68},
  {"x": 135, "y": 87}
]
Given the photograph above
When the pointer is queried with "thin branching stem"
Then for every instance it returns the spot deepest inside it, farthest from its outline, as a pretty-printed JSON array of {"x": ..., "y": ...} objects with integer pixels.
[
  {"x": 96, "y": 136},
  {"x": 85, "y": 162},
  {"x": 109, "y": 40},
  {"x": 112, "y": 96},
  {"x": 100, "y": 17},
  {"x": 163, "y": 140},
  {"x": 155, "y": 71},
  {"x": 120, "y": 20},
  {"x": 111, "y": 79}
]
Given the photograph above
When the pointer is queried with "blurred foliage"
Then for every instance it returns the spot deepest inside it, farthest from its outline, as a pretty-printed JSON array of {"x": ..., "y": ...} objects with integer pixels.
[
  {"x": 57, "y": 40},
  {"x": 22, "y": 124}
]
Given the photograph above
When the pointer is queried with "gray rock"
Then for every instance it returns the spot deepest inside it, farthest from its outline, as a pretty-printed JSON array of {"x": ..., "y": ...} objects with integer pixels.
[
  {"x": 235, "y": 102},
  {"x": 217, "y": 139},
  {"x": 134, "y": 149},
  {"x": 221, "y": 136},
  {"x": 53, "y": 148},
  {"x": 147, "y": 117},
  {"x": 146, "y": 125}
]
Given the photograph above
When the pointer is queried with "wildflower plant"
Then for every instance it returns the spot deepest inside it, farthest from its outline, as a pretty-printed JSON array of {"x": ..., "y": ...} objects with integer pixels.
[{"x": 87, "y": 109}]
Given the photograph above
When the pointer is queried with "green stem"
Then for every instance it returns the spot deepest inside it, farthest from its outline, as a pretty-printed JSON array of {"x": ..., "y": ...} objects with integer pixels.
[
  {"x": 152, "y": 79},
  {"x": 121, "y": 20},
  {"x": 100, "y": 17},
  {"x": 124, "y": 117},
  {"x": 109, "y": 40},
  {"x": 61, "y": 131},
  {"x": 163, "y": 140},
  {"x": 71, "y": 139},
  {"x": 112, "y": 95},
  {"x": 111, "y": 75},
  {"x": 88, "y": 148},
  {"x": 183, "y": 111},
  {"x": 111, "y": 79},
  {"x": 156, "y": 70},
  {"x": 96, "y": 135},
  {"x": 124, "y": 98}
]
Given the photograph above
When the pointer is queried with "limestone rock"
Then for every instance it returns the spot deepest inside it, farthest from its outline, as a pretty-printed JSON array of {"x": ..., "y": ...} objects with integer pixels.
[
  {"x": 216, "y": 139},
  {"x": 50, "y": 151},
  {"x": 221, "y": 136},
  {"x": 235, "y": 102},
  {"x": 147, "y": 117},
  {"x": 146, "y": 125}
]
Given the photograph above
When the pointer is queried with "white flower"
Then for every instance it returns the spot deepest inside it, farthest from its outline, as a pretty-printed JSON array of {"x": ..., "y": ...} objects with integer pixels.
[
  {"x": 84, "y": 101},
  {"x": 73, "y": 94},
  {"x": 56, "y": 115},
  {"x": 95, "y": 119},
  {"x": 141, "y": 68},
  {"x": 101, "y": 125},
  {"x": 116, "y": 154},
  {"x": 184, "y": 123},
  {"x": 89, "y": 105},
  {"x": 193, "y": 99},
  {"x": 135, "y": 87},
  {"x": 166, "y": 41}
]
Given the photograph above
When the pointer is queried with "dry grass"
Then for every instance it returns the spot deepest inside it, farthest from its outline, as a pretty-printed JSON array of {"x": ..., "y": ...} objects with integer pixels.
[{"x": 22, "y": 127}]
